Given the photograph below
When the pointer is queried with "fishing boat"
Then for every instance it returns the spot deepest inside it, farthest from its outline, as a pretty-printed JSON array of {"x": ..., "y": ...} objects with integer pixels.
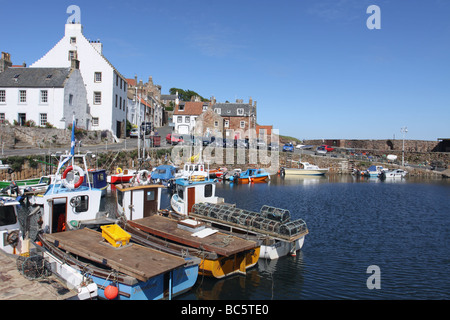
[
  {"x": 217, "y": 173},
  {"x": 374, "y": 171},
  {"x": 98, "y": 180},
  {"x": 221, "y": 254},
  {"x": 10, "y": 231},
  {"x": 305, "y": 168},
  {"x": 163, "y": 174},
  {"x": 30, "y": 257},
  {"x": 71, "y": 201},
  {"x": 279, "y": 235},
  {"x": 195, "y": 189},
  {"x": 121, "y": 175},
  {"x": 232, "y": 174},
  {"x": 196, "y": 170},
  {"x": 253, "y": 175},
  {"x": 34, "y": 184},
  {"x": 127, "y": 271},
  {"x": 396, "y": 173},
  {"x": 191, "y": 195}
]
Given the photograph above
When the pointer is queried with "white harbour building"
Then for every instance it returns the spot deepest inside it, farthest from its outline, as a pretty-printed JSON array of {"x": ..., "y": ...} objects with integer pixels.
[{"x": 106, "y": 88}]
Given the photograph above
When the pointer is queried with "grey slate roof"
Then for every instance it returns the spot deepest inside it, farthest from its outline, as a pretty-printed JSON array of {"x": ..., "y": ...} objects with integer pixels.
[
  {"x": 168, "y": 96},
  {"x": 34, "y": 77},
  {"x": 230, "y": 109}
]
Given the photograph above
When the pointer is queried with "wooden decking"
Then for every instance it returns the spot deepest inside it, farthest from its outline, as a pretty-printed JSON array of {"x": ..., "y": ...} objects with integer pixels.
[
  {"x": 134, "y": 260},
  {"x": 219, "y": 243}
]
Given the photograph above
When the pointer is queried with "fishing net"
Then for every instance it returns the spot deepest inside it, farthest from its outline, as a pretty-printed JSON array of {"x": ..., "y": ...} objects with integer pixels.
[{"x": 33, "y": 267}]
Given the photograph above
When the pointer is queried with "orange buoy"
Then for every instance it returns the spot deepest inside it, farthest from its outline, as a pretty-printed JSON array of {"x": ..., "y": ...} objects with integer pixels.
[{"x": 111, "y": 292}]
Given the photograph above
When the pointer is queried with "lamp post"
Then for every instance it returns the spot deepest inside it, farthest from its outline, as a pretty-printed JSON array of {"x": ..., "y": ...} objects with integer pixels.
[{"x": 404, "y": 131}]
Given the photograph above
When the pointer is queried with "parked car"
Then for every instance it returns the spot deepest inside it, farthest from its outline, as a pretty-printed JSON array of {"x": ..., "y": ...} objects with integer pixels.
[
  {"x": 208, "y": 140},
  {"x": 146, "y": 127},
  {"x": 321, "y": 151},
  {"x": 327, "y": 147},
  {"x": 303, "y": 147},
  {"x": 134, "y": 133},
  {"x": 273, "y": 146},
  {"x": 241, "y": 143},
  {"x": 288, "y": 147},
  {"x": 260, "y": 144},
  {"x": 173, "y": 139}
]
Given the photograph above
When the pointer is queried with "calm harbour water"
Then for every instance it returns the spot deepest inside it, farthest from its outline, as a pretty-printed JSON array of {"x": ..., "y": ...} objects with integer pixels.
[{"x": 403, "y": 227}]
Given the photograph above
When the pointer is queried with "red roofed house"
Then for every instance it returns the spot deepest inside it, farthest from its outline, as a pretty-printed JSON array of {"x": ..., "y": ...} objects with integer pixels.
[{"x": 185, "y": 115}]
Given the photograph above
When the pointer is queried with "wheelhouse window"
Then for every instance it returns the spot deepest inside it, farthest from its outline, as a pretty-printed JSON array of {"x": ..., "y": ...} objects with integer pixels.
[
  {"x": 7, "y": 215},
  {"x": 180, "y": 193},
  {"x": 119, "y": 197},
  {"x": 83, "y": 205},
  {"x": 208, "y": 190},
  {"x": 150, "y": 195}
]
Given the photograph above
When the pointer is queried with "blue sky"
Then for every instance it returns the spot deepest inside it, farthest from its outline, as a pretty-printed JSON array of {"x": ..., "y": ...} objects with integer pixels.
[{"x": 313, "y": 66}]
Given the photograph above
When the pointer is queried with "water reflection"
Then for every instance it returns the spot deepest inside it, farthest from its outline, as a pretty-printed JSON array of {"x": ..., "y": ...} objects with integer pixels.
[{"x": 401, "y": 225}]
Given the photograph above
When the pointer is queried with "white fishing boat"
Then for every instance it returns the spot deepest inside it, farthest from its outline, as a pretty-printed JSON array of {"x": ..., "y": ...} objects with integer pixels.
[
  {"x": 193, "y": 171},
  {"x": 31, "y": 258},
  {"x": 305, "y": 168},
  {"x": 395, "y": 173},
  {"x": 272, "y": 227},
  {"x": 192, "y": 190},
  {"x": 71, "y": 201},
  {"x": 10, "y": 231}
]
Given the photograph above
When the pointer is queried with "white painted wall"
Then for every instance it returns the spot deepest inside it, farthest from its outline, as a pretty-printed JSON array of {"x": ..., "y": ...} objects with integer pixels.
[{"x": 91, "y": 61}]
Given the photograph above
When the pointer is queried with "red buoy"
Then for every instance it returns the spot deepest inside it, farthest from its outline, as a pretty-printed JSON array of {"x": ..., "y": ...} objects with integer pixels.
[{"x": 111, "y": 292}]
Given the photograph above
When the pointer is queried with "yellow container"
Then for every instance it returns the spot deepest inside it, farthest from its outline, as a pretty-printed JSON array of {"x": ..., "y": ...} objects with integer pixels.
[{"x": 115, "y": 235}]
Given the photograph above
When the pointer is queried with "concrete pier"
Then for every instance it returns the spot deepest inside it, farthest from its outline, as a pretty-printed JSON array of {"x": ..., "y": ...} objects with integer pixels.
[{"x": 14, "y": 286}]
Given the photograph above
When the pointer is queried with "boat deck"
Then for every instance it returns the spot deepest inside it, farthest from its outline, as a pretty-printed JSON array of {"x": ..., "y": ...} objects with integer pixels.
[
  {"x": 248, "y": 230},
  {"x": 218, "y": 242},
  {"x": 134, "y": 260}
]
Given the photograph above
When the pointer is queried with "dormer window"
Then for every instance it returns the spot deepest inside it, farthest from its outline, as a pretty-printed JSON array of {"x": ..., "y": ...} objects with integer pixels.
[
  {"x": 181, "y": 107},
  {"x": 240, "y": 111},
  {"x": 217, "y": 110}
]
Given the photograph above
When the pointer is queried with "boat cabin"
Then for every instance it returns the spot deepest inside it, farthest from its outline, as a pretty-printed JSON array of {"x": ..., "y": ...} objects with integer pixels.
[
  {"x": 189, "y": 192},
  {"x": 10, "y": 232},
  {"x": 137, "y": 202}
]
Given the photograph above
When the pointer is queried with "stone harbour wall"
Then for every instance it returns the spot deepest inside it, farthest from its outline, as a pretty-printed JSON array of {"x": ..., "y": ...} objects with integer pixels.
[{"x": 17, "y": 137}]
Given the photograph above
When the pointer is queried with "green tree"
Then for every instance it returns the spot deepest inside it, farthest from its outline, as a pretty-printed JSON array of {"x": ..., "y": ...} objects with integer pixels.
[{"x": 186, "y": 95}]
